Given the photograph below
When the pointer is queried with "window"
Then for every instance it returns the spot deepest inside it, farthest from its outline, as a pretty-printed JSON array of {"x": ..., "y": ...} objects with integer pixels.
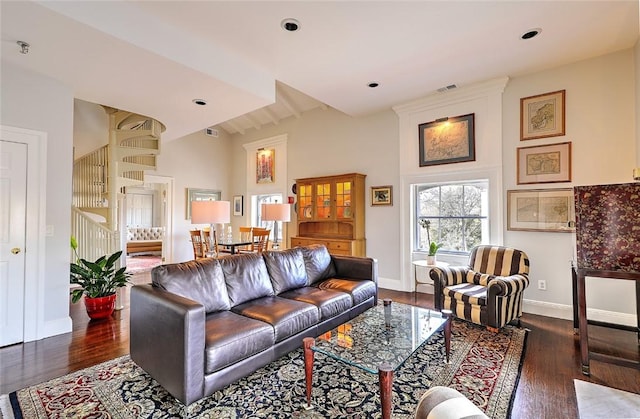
[
  {"x": 257, "y": 221},
  {"x": 457, "y": 214}
]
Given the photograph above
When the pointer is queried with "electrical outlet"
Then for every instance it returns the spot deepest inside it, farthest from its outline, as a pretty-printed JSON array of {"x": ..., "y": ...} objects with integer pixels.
[{"x": 542, "y": 285}]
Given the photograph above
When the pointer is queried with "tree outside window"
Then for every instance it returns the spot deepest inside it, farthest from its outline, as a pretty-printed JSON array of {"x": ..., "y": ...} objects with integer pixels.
[{"x": 457, "y": 215}]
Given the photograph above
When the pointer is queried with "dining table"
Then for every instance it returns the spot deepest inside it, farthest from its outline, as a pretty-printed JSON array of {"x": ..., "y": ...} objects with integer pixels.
[{"x": 233, "y": 245}]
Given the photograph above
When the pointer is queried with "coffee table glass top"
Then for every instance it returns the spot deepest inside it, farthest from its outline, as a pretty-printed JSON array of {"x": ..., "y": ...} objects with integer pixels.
[{"x": 366, "y": 343}]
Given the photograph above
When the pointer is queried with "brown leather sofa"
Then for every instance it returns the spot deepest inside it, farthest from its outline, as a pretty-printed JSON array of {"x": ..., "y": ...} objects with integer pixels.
[{"x": 204, "y": 324}]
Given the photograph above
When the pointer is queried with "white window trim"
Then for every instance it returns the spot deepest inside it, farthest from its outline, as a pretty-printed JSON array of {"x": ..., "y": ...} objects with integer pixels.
[{"x": 408, "y": 209}]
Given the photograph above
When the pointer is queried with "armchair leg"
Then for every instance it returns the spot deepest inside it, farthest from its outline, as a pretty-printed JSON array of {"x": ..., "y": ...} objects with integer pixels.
[{"x": 493, "y": 329}]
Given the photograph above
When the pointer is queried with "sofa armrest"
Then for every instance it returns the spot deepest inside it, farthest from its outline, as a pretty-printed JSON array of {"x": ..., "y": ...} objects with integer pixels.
[
  {"x": 167, "y": 339},
  {"x": 502, "y": 286},
  {"x": 353, "y": 267}
]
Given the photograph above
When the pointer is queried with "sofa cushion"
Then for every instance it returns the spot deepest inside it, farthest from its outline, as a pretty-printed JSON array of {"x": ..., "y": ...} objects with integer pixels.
[
  {"x": 200, "y": 281},
  {"x": 330, "y": 303},
  {"x": 318, "y": 263},
  {"x": 360, "y": 289},
  {"x": 230, "y": 338},
  {"x": 286, "y": 269},
  {"x": 287, "y": 317},
  {"x": 246, "y": 277}
]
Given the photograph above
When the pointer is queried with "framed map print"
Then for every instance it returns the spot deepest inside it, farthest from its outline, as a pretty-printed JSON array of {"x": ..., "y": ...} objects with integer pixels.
[
  {"x": 544, "y": 163},
  {"x": 541, "y": 210},
  {"x": 542, "y": 115}
]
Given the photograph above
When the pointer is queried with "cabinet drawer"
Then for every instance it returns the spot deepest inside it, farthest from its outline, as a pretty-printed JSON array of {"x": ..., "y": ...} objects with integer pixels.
[{"x": 337, "y": 246}]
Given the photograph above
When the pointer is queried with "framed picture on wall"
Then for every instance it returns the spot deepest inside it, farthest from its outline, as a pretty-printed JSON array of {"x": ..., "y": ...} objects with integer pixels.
[
  {"x": 238, "y": 205},
  {"x": 381, "y": 195},
  {"x": 447, "y": 140},
  {"x": 265, "y": 165},
  {"x": 542, "y": 115},
  {"x": 549, "y": 163},
  {"x": 194, "y": 194},
  {"x": 541, "y": 210}
]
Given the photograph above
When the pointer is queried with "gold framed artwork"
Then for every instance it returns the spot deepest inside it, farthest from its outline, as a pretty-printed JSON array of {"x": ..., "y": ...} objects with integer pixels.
[
  {"x": 549, "y": 163},
  {"x": 542, "y": 115},
  {"x": 541, "y": 210},
  {"x": 381, "y": 195},
  {"x": 194, "y": 194},
  {"x": 265, "y": 165},
  {"x": 447, "y": 140}
]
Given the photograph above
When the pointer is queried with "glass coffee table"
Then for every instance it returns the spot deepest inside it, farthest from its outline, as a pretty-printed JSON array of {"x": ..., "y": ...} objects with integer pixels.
[{"x": 378, "y": 343}]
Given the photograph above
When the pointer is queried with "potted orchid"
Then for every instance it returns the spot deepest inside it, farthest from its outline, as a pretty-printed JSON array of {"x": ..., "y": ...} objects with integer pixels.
[{"x": 433, "y": 246}]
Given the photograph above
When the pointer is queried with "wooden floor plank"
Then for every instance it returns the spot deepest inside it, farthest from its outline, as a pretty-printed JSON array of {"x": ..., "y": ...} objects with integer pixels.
[{"x": 545, "y": 390}]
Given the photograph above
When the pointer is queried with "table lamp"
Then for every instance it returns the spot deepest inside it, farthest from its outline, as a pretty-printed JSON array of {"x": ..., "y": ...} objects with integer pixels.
[
  {"x": 211, "y": 212},
  {"x": 276, "y": 212}
]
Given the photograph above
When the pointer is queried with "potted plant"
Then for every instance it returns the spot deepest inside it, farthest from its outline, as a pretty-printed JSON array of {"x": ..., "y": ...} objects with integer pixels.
[
  {"x": 98, "y": 281},
  {"x": 433, "y": 246}
]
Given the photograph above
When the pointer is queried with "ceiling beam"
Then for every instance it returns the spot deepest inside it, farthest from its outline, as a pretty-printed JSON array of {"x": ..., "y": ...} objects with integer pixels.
[
  {"x": 253, "y": 120},
  {"x": 235, "y": 127},
  {"x": 271, "y": 115},
  {"x": 288, "y": 103}
]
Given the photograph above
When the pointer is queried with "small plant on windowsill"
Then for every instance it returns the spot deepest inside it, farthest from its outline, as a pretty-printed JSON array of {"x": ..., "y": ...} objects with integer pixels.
[{"x": 433, "y": 246}]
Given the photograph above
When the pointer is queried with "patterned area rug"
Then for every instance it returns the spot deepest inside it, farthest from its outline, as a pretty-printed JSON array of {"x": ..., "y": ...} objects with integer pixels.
[{"x": 484, "y": 366}]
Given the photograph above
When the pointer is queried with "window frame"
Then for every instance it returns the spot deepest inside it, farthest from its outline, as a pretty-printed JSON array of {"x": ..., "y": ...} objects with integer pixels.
[{"x": 419, "y": 187}]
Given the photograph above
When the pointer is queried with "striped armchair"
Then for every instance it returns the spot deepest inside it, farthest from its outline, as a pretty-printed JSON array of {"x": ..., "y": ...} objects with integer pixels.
[{"x": 489, "y": 291}]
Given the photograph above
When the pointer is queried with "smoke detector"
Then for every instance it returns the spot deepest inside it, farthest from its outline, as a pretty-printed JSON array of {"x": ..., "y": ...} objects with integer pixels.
[{"x": 211, "y": 132}]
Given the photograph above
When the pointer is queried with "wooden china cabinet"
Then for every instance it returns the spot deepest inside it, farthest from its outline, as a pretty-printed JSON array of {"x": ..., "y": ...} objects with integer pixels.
[{"x": 330, "y": 211}]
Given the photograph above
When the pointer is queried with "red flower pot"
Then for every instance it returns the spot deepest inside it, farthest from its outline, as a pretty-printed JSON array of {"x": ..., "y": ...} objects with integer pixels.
[{"x": 100, "y": 307}]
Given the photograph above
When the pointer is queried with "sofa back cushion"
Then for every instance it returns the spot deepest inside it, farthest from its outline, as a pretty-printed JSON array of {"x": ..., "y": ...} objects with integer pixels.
[
  {"x": 318, "y": 263},
  {"x": 286, "y": 269},
  {"x": 144, "y": 233},
  {"x": 247, "y": 277},
  {"x": 200, "y": 281}
]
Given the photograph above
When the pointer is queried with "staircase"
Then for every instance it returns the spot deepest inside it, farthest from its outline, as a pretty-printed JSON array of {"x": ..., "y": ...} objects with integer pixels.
[{"x": 100, "y": 179}]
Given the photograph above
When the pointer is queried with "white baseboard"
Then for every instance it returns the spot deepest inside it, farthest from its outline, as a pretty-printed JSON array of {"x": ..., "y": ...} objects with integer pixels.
[
  {"x": 563, "y": 311},
  {"x": 56, "y": 327}
]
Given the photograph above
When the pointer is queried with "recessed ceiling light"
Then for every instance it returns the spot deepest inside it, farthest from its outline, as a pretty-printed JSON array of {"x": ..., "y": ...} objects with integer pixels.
[
  {"x": 531, "y": 33},
  {"x": 199, "y": 102},
  {"x": 373, "y": 84},
  {"x": 290, "y": 24}
]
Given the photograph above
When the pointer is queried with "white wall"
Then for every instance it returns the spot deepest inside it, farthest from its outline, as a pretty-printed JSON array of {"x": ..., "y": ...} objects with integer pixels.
[
  {"x": 90, "y": 127},
  {"x": 194, "y": 161},
  {"x": 600, "y": 123},
  {"x": 326, "y": 142},
  {"x": 35, "y": 102}
]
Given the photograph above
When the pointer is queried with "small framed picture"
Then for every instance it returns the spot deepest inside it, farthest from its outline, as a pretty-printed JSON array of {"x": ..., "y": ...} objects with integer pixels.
[
  {"x": 238, "y": 205},
  {"x": 541, "y": 210},
  {"x": 381, "y": 195},
  {"x": 549, "y": 163},
  {"x": 542, "y": 115}
]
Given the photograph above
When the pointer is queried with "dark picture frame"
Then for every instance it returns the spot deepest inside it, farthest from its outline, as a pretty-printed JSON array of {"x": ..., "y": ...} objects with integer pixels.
[
  {"x": 238, "y": 205},
  {"x": 447, "y": 140}
]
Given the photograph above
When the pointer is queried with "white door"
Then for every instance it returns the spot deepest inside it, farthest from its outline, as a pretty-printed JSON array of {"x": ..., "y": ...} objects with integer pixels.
[{"x": 13, "y": 187}]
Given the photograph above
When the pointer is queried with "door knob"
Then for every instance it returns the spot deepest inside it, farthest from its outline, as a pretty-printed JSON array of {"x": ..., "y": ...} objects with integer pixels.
[{"x": 15, "y": 250}]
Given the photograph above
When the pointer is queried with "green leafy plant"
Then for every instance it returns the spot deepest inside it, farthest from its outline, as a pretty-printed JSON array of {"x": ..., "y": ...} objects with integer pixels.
[
  {"x": 96, "y": 279},
  {"x": 433, "y": 246}
]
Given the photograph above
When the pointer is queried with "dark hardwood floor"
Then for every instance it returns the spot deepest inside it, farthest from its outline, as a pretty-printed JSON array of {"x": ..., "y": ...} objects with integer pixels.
[{"x": 545, "y": 390}]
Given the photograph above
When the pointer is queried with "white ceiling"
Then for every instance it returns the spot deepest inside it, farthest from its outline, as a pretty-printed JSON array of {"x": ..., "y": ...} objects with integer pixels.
[{"x": 154, "y": 57}]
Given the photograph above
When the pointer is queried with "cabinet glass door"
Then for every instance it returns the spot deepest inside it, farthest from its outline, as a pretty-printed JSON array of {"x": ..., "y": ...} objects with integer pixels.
[
  {"x": 305, "y": 202},
  {"x": 343, "y": 200},
  {"x": 323, "y": 200}
]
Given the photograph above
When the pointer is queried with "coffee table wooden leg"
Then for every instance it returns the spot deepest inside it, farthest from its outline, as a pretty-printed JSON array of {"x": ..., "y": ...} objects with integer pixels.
[
  {"x": 447, "y": 332},
  {"x": 308, "y": 366},
  {"x": 385, "y": 375}
]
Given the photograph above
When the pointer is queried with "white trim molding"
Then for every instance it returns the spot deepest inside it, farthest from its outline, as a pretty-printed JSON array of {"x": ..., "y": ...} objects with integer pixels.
[{"x": 564, "y": 311}]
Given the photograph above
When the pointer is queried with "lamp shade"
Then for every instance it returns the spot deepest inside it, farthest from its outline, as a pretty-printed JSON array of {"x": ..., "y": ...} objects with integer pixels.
[
  {"x": 210, "y": 212},
  {"x": 276, "y": 212}
]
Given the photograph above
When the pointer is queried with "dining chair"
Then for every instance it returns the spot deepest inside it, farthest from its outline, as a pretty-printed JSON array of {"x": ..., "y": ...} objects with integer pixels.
[
  {"x": 260, "y": 240},
  {"x": 246, "y": 235},
  {"x": 211, "y": 246},
  {"x": 197, "y": 242}
]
